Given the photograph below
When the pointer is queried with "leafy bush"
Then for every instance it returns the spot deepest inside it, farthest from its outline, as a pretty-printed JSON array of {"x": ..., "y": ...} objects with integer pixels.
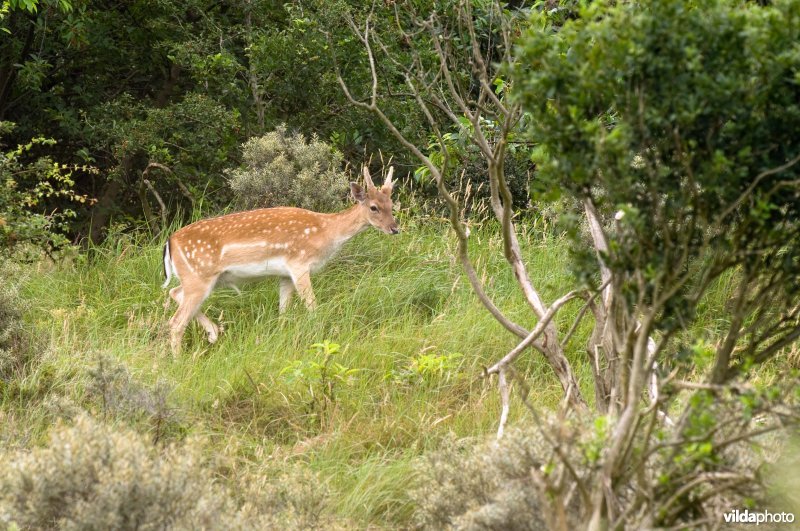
[
  {"x": 36, "y": 199},
  {"x": 93, "y": 476},
  {"x": 284, "y": 169},
  {"x": 321, "y": 378},
  {"x": 468, "y": 166}
]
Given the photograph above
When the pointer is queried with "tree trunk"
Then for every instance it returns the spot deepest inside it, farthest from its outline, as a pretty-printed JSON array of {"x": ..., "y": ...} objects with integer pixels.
[{"x": 101, "y": 214}]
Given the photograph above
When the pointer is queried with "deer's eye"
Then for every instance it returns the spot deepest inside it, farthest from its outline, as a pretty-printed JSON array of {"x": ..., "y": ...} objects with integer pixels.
[{"x": 373, "y": 208}]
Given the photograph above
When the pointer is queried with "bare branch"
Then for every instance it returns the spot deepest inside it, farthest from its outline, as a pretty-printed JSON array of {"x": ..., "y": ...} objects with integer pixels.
[
  {"x": 505, "y": 392},
  {"x": 749, "y": 190},
  {"x": 581, "y": 314},
  {"x": 535, "y": 333}
]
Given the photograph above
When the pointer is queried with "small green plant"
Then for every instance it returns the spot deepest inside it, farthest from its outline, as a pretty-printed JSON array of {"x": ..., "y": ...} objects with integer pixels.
[
  {"x": 594, "y": 444},
  {"x": 428, "y": 368},
  {"x": 433, "y": 365},
  {"x": 320, "y": 376}
]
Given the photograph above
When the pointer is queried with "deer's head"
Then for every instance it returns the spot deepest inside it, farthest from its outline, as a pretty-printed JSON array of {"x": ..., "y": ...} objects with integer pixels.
[{"x": 376, "y": 203}]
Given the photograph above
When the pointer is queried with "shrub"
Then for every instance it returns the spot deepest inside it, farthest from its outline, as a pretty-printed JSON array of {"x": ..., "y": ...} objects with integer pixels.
[
  {"x": 284, "y": 169},
  {"x": 484, "y": 486},
  {"x": 14, "y": 350},
  {"x": 538, "y": 477},
  {"x": 120, "y": 394},
  {"x": 36, "y": 199},
  {"x": 93, "y": 476}
]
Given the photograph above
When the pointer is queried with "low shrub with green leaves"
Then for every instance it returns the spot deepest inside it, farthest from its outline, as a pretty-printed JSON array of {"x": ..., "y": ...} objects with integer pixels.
[{"x": 286, "y": 169}]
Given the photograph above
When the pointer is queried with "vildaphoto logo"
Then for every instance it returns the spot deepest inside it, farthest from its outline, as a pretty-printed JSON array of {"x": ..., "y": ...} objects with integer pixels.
[{"x": 757, "y": 517}]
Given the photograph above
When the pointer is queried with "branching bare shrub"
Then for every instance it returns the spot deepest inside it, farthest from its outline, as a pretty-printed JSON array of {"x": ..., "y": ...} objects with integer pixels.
[
  {"x": 120, "y": 394},
  {"x": 93, "y": 476},
  {"x": 283, "y": 169},
  {"x": 542, "y": 476},
  {"x": 15, "y": 351},
  {"x": 485, "y": 486}
]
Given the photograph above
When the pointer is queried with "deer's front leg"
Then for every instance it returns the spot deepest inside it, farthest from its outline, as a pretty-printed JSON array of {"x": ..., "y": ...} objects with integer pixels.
[{"x": 302, "y": 283}]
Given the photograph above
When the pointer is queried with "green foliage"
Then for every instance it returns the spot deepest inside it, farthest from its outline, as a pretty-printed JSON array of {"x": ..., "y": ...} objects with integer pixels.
[
  {"x": 321, "y": 377},
  {"x": 429, "y": 367},
  {"x": 680, "y": 118},
  {"x": 466, "y": 163},
  {"x": 178, "y": 83},
  {"x": 32, "y": 6},
  {"x": 283, "y": 169},
  {"x": 605, "y": 116},
  {"x": 194, "y": 137},
  {"x": 29, "y": 187},
  {"x": 594, "y": 445}
]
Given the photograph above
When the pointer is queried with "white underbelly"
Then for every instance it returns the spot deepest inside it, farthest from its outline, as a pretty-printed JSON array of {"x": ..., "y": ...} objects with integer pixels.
[{"x": 271, "y": 267}]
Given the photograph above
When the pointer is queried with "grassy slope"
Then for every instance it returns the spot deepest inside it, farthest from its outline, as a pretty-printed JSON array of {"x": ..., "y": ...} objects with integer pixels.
[{"x": 384, "y": 299}]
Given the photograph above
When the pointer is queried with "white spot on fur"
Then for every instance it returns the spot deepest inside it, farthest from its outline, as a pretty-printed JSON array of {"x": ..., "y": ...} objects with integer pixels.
[{"x": 185, "y": 261}]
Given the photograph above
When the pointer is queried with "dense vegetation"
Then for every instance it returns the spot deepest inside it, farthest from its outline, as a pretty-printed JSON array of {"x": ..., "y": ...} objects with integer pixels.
[{"x": 599, "y": 208}]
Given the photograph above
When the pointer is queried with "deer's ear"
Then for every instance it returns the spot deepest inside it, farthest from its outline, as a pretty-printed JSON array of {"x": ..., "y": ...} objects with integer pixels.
[{"x": 357, "y": 192}]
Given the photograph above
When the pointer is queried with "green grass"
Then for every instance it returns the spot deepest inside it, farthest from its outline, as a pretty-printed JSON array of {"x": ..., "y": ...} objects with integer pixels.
[{"x": 385, "y": 300}]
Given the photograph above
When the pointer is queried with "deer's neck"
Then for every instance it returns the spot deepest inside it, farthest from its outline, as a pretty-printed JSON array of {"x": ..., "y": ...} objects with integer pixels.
[{"x": 347, "y": 223}]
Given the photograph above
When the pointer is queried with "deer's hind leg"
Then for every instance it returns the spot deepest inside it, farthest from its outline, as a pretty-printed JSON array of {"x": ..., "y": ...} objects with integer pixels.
[
  {"x": 189, "y": 302},
  {"x": 286, "y": 290},
  {"x": 301, "y": 278},
  {"x": 212, "y": 329}
]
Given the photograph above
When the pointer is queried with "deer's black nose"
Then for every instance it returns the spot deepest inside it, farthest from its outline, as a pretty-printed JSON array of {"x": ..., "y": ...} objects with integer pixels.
[{"x": 395, "y": 230}]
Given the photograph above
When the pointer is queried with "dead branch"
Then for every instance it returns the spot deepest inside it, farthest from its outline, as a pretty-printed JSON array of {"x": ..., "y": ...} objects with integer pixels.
[{"x": 534, "y": 334}]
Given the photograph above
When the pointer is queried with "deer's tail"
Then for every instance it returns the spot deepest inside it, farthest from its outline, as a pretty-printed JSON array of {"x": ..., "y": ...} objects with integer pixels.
[{"x": 168, "y": 270}]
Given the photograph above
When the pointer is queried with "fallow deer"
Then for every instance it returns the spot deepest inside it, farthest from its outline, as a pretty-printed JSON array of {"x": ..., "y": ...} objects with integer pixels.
[{"x": 290, "y": 243}]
